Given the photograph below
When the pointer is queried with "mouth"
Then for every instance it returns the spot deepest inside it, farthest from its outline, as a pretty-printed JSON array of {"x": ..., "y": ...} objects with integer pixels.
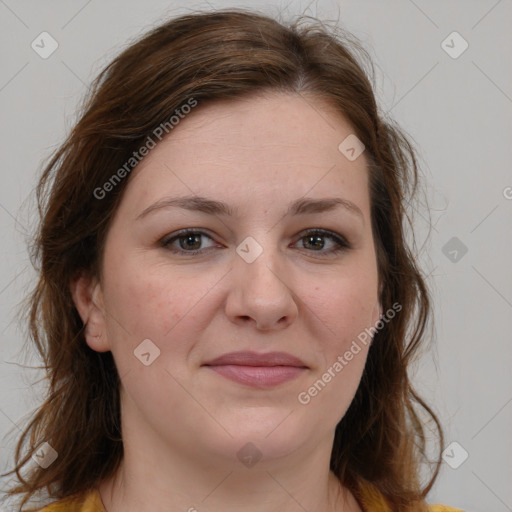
[{"x": 258, "y": 370}]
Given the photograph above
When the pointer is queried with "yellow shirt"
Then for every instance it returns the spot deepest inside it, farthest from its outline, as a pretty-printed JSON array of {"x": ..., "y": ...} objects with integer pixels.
[{"x": 372, "y": 501}]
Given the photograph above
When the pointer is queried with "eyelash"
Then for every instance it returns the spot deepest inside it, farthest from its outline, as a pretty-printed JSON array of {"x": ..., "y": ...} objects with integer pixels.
[{"x": 340, "y": 241}]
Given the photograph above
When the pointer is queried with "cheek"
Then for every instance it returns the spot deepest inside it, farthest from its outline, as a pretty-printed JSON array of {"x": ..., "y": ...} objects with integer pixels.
[
  {"x": 154, "y": 299},
  {"x": 345, "y": 312},
  {"x": 152, "y": 306},
  {"x": 169, "y": 308},
  {"x": 344, "y": 307}
]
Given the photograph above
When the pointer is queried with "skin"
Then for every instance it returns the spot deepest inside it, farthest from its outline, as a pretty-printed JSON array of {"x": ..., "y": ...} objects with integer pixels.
[{"x": 183, "y": 423}]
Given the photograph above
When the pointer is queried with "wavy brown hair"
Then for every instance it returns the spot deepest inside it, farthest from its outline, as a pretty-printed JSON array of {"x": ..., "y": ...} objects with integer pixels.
[{"x": 208, "y": 56}]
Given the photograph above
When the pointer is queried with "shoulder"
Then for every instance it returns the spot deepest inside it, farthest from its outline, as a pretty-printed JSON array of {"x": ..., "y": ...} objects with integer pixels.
[
  {"x": 83, "y": 502},
  {"x": 443, "y": 508},
  {"x": 371, "y": 499}
]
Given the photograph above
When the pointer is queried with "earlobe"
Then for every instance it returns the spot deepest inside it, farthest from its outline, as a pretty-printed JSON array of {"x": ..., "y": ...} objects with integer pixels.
[{"x": 87, "y": 296}]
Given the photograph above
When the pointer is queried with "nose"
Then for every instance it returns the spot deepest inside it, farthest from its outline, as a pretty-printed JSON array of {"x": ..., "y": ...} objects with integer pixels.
[{"x": 261, "y": 293}]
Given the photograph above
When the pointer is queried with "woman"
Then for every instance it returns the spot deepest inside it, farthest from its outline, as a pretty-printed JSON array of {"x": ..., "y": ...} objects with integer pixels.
[{"x": 227, "y": 307}]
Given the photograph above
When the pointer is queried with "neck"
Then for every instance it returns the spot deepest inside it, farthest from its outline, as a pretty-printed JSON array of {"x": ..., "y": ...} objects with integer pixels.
[
  {"x": 176, "y": 475},
  {"x": 204, "y": 487}
]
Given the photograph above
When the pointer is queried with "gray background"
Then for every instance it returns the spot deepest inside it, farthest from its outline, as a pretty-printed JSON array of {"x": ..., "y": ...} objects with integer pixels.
[{"x": 458, "y": 110}]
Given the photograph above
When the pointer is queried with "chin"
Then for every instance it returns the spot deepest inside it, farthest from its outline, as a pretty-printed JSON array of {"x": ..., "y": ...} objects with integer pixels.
[{"x": 268, "y": 434}]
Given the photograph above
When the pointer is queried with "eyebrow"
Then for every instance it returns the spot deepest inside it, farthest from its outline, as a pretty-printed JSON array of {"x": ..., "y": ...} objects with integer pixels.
[{"x": 301, "y": 206}]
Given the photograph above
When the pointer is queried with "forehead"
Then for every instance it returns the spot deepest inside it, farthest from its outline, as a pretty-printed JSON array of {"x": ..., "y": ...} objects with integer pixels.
[{"x": 269, "y": 144}]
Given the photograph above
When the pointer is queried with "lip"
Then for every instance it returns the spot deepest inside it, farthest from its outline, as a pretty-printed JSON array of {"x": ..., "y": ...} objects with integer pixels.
[
  {"x": 258, "y": 370},
  {"x": 256, "y": 359}
]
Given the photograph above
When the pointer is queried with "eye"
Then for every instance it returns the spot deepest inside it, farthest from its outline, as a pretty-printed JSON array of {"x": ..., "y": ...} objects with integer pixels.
[
  {"x": 314, "y": 240},
  {"x": 189, "y": 241}
]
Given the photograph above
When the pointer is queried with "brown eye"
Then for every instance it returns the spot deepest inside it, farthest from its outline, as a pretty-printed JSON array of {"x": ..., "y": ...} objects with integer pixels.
[
  {"x": 188, "y": 241},
  {"x": 315, "y": 240}
]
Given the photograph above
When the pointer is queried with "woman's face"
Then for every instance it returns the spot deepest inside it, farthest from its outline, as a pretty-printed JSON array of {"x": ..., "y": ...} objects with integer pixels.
[{"x": 255, "y": 276}]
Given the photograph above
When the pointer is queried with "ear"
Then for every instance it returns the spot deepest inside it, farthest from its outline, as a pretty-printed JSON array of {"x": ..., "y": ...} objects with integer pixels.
[{"x": 88, "y": 298}]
